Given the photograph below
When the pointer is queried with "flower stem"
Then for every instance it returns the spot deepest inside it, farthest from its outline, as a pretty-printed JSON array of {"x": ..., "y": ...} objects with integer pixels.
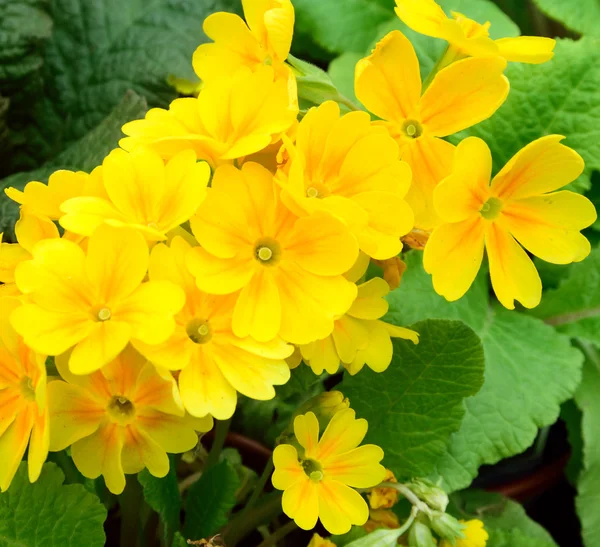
[
  {"x": 241, "y": 525},
  {"x": 409, "y": 495},
  {"x": 221, "y": 430},
  {"x": 260, "y": 485},
  {"x": 278, "y": 534},
  {"x": 130, "y": 503}
]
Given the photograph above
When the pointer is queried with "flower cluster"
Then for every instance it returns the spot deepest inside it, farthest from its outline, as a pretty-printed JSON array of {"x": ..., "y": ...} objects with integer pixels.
[{"x": 233, "y": 230}]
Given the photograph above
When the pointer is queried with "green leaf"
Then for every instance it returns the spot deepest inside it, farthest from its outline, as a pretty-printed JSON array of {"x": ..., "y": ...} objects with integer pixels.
[
  {"x": 378, "y": 538},
  {"x": 49, "y": 513},
  {"x": 162, "y": 495},
  {"x": 588, "y": 498},
  {"x": 558, "y": 97},
  {"x": 97, "y": 52},
  {"x": 210, "y": 500},
  {"x": 417, "y": 403},
  {"x": 581, "y": 16},
  {"x": 83, "y": 155},
  {"x": 574, "y": 307},
  {"x": 571, "y": 416},
  {"x": 530, "y": 369},
  {"x": 505, "y": 520}
]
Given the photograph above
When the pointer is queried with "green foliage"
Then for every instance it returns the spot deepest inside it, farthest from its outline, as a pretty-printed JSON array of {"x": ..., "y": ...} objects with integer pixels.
[
  {"x": 417, "y": 403},
  {"x": 588, "y": 401},
  {"x": 210, "y": 501},
  {"x": 574, "y": 307},
  {"x": 49, "y": 513},
  {"x": 162, "y": 495},
  {"x": 83, "y": 154},
  {"x": 581, "y": 16},
  {"x": 523, "y": 387},
  {"x": 378, "y": 538},
  {"x": 506, "y": 521},
  {"x": 558, "y": 97}
]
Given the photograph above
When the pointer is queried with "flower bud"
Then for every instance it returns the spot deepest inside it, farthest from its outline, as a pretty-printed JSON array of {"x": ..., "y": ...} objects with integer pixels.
[
  {"x": 420, "y": 536},
  {"x": 446, "y": 526},
  {"x": 431, "y": 494}
]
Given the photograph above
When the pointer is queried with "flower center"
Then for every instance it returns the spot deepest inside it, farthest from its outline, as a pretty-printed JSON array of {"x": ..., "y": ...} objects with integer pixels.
[
  {"x": 121, "y": 410},
  {"x": 313, "y": 470},
  {"x": 267, "y": 251},
  {"x": 102, "y": 313},
  {"x": 27, "y": 389},
  {"x": 491, "y": 208},
  {"x": 199, "y": 331},
  {"x": 153, "y": 226},
  {"x": 317, "y": 190},
  {"x": 412, "y": 129}
]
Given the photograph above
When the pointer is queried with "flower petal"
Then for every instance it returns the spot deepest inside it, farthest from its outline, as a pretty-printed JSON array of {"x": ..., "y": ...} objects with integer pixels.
[
  {"x": 349, "y": 335},
  {"x": 358, "y": 468},
  {"x": 172, "y": 434},
  {"x": 513, "y": 274},
  {"x": 526, "y": 49},
  {"x": 422, "y": 16},
  {"x": 287, "y": 467},
  {"x": 13, "y": 443},
  {"x": 219, "y": 275},
  {"x": 301, "y": 502},
  {"x": 38, "y": 444},
  {"x": 340, "y": 507},
  {"x": 306, "y": 430},
  {"x": 321, "y": 355},
  {"x": 370, "y": 303},
  {"x": 343, "y": 433},
  {"x": 84, "y": 214}
]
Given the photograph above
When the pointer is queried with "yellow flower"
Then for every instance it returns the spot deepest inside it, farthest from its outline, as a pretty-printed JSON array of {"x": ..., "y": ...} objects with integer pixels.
[
  {"x": 214, "y": 363},
  {"x": 95, "y": 302},
  {"x": 388, "y": 83},
  {"x": 467, "y": 38},
  {"x": 384, "y": 497},
  {"x": 381, "y": 518},
  {"x": 120, "y": 420},
  {"x": 264, "y": 40},
  {"x": 319, "y": 482},
  {"x": 142, "y": 192},
  {"x": 288, "y": 270},
  {"x": 359, "y": 337},
  {"x": 351, "y": 168},
  {"x": 318, "y": 541},
  {"x": 231, "y": 118},
  {"x": 475, "y": 535},
  {"x": 11, "y": 255},
  {"x": 520, "y": 206},
  {"x": 23, "y": 412}
]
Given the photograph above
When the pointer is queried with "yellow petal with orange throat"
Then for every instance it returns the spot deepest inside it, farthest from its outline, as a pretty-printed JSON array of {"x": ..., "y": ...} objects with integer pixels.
[
  {"x": 306, "y": 429},
  {"x": 359, "y": 467},
  {"x": 301, "y": 503},
  {"x": 287, "y": 467},
  {"x": 464, "y": 94},
  {"x": 513, "y": 274},
  {"x": 388, "y": 82},
  {"x": 527, "y": 49},
  {"x": 343, "y": 433},
  {"x": 422, "y": 16},
  {"x": 340, "y": 507},
  {"x": 13, "y": 443}
]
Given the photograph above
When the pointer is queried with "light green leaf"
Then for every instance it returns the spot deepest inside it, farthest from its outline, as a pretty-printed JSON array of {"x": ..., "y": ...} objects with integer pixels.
[
  {"x": 162, "y": 495},
  {"x": 588, "y": 401},
  {"x": 574, "y": 307},
  {"x": 49, "y": 513},
  {"x": 83, "y": 154},
  {"x": 210, "y": 500},
  {"x": 417, "y": 403},
  {"x": 505, "y": 520},
  {"x": 558, "y": 97},
  {"x": 341, "y": 71},
  {"x": 378, "y": 538},
  {"x": 581, "y": 16},
  {"x": 530, "y": 369}
]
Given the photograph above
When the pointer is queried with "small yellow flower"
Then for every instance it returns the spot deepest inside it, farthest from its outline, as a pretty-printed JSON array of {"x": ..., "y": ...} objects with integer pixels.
[
  {"x": 231, "y": 118},
  {"x": 348, "y": 167},
  {"x": 475, "y": 535},
  {"x": 120, "y": 420},
  {"x": 319, "y": 482},
  {"x": 467, "y": 92},
  {"x": 141, "y": 191},
  {"x": 23, "y": 412},
  {"x": 467, "y": 38},
  {"x": 519, "y": 207},
  {"x": 318, "y": 541},
  {"x": 214, "y": 363},
  {"x": 95, "y": 302},
  {"x": 384, "y": 497},
  {"x": 263, "y": 39},
  {"x": 286, "y": 271},
  {"x": 359, "y": 337}
]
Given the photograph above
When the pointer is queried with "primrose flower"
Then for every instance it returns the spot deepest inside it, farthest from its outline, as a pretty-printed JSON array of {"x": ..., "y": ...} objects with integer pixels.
[
  {"x": 359, "y": 337},
  {"x": 23, "y": 412},
  {"x": 265, "y": 39},
  {"x": 120, "y": 420},
  {"x": 214, "y": 363},
  {"x": 95, "y": 302},
  {"x": 319, "y": 482},
  {"x": 351, "y": 168},
  {"x": 474, "y": 535},
  {"x": 143, "y": 192},
  {"x": 388, "y": 83},
  {"x": 231, "y": 118},
  {"x": 520, "y": 206},
  {"x": 467, "y": 38},
  {"x": 286, "y": 270}
]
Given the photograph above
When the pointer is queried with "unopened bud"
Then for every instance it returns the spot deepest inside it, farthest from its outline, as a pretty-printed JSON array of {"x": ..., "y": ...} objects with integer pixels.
[
  {"x": 420, "y": 536},
  {"x": 431, "y": 494},
  {"x": 446, "y": 526}
]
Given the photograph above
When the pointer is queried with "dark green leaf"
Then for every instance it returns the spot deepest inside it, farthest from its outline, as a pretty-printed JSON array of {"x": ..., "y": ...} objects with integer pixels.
[{"x": 579, "y": 15}]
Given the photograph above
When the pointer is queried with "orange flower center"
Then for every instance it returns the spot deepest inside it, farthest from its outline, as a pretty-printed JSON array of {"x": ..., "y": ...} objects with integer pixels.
[
  {"x": 412, "y": 129},
  {"x": 267, "y": 251},
  {"x": 491, "y": 208},
  {"x": 27, "y": 389},
  {"x": 199, "y": 331},
  {"x": 121, "y": 410},
  {"x": 313, "y": 470}
]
